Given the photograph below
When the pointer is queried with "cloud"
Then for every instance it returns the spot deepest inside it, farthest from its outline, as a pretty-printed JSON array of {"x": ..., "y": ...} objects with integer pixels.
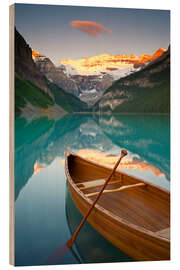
[{"x": 90, "y": 28}]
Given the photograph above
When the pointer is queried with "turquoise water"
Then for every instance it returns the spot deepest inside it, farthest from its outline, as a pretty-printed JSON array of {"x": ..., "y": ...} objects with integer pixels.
[{"x": 45, "y": 215}]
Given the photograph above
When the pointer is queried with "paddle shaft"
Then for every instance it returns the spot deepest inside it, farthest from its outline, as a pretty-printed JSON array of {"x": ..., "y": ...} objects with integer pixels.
[{"x": 73, "y": 238}]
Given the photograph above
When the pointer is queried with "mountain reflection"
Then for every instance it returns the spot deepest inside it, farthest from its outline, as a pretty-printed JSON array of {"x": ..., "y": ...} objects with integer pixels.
[
  {"x": 37, "y": 168},
  {"x": 145, "y": 135},
  {"x": 30, "y": 139},
  {"x": 39, "y": 142},
  {"x": 110, "y": 161}
]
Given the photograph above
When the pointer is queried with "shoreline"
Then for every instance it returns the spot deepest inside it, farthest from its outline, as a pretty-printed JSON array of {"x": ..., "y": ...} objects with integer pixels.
[
  {"x": 125, "y": 113},
  {"x": 57, "y": 114}
]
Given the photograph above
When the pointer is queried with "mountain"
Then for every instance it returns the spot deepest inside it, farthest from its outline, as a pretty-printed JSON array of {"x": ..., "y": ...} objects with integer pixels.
[
  {"x": 25, "y": 66},
  {"x": 158, "y": 53},
  {"x": 41, "y": 87},
  {"x": 87, "y": 88},
  {"x": 55, "y": 74},
  {"x": 29, "y": 97},
  {"x": 144, "y": 91},
  {"x": 34, "y": 94},
  {"x": 67, "y": 101},
  {"x": 106, "y": 62},
  {"x": 35, "y": 54},
  {"x": 89, "y": 77},
  {"x": 92, "y": 87}
]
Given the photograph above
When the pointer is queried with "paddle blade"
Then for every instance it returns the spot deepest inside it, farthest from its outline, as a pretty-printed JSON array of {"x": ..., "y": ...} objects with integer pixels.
[{"x": 58, "y": 255}]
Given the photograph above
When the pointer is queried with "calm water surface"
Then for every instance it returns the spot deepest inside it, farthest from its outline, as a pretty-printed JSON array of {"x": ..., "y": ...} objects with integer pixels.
[{"x": 45, "y": 215}]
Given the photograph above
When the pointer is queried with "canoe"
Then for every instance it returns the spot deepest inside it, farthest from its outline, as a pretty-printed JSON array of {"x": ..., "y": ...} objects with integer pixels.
[{"x": 132, "y": 214}]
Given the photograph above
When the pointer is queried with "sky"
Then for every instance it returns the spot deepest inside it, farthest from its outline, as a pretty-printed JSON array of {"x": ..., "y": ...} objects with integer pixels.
[{"x": 61, "y": 32}]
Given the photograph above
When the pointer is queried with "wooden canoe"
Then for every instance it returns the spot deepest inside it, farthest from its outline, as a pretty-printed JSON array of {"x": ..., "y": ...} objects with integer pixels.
[{"x": 132, "y": 214}]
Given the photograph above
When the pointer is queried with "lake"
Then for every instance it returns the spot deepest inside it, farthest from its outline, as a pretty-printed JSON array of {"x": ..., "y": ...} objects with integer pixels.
[{"x": 45, "y": 215}]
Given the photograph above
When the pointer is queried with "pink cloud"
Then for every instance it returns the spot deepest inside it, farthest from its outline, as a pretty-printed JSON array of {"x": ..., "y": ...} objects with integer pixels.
[{"x": 90, "y": 28}]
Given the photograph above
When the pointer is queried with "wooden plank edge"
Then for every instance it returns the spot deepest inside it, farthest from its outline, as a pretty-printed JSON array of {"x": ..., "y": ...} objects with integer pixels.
[{"x": 11, "y": 134}]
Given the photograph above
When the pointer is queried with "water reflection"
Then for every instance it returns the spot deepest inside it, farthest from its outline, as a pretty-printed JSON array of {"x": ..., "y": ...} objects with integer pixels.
[
  {"x": 38, "y": 143},
  {"x": 110, "y": 161},
  {"x": 30, "y": 139},
  {"x": 40, "y": 190},
  {"x": 145, "y": 135}
]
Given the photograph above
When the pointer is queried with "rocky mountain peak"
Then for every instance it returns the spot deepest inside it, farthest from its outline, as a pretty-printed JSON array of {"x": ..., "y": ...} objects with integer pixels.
[
  {"x": 36, "y": 54},
  {"x": 25, "y": 66},
  {"x": 158, "y": 53}
]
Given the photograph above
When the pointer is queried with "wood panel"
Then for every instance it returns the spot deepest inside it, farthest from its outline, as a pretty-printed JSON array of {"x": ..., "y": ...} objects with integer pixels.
[{"x": 11, "y": 135}]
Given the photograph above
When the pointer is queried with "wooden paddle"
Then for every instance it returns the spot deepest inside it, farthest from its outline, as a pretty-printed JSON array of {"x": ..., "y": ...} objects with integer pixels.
[
  {"x": 73, "y": 238},
  {"x": 63, "y": 250}
]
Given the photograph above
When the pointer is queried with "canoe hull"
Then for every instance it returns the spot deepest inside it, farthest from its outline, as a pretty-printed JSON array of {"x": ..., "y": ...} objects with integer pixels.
[{"x": 137, "y": 245}]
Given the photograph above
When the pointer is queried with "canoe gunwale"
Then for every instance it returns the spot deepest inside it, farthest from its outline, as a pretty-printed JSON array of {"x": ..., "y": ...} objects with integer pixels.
[{"x": 134, "y": 228}]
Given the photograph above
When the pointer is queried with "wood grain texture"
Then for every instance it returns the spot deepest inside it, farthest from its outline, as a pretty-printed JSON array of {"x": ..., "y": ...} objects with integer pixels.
[
  {"x": 128, "y": 219},
  {"x": 11, "y": 135}
]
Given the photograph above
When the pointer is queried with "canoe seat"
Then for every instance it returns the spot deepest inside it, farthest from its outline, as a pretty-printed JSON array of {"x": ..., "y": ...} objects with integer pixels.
[
  {"x": 93, "y": 183},
  {"x": 164, "y": 233},
  {"x": 117, "y": 189}
]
